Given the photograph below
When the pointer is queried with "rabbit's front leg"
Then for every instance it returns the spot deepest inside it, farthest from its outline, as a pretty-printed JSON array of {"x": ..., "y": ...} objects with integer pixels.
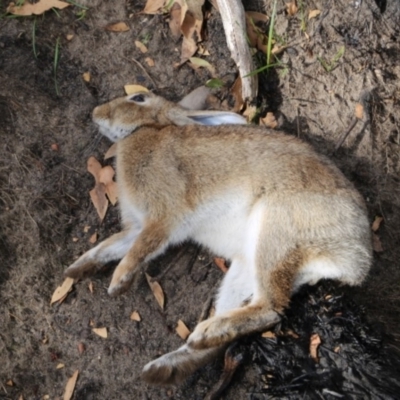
[
  {"x": 152, "y": 241},
  {"x": 113, "y": 248}
]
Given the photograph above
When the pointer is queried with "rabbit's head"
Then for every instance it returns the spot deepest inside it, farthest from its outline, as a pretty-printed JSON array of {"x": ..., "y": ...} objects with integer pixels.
[{"x": 122, "y": 116}]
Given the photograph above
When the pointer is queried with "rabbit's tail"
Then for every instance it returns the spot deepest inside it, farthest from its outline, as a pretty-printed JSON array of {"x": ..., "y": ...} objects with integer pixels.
[{"x": 173, "y": 368}]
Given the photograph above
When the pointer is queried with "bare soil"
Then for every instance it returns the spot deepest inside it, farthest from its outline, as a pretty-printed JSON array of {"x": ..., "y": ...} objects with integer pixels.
[{"x": 44, "y": 201}]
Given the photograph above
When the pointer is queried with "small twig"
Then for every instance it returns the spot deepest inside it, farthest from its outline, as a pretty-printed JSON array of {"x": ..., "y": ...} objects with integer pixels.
[
  {"x": 298, "y": 122},
  {"x": 232, "y": 362},
  {"x": 347, "y": 133},
  {"x": 142, "y": 68}
]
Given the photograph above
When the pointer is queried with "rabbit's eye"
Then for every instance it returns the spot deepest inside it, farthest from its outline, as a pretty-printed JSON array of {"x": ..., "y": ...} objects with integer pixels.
[{"x": 138, "y": 98}]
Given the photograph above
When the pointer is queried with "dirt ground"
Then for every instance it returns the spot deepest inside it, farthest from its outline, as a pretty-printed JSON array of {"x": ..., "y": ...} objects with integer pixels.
[{"x": 45, "y": 205}]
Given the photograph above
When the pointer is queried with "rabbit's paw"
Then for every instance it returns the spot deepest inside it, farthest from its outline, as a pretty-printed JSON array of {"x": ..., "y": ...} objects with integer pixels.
[
  {"x": 81, "y": 268},
  {"x": 212, "y": 332},
  {"x": 121, "y": 281},
  {"x": 161, "y": 371}
]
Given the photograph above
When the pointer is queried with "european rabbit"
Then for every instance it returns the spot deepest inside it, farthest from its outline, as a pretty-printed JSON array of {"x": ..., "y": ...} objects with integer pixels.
[{"x": 282, "y": 214}]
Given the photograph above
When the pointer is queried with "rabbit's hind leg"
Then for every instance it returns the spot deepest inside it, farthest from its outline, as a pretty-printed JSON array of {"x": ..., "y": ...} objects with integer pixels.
[
  {"x": 113, "y": 248},
  {"x": 152, "y": 241},
  {"x": 176, "y": 366}
]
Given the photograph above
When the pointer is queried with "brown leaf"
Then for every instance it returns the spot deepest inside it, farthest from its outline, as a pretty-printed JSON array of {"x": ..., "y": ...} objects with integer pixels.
[
  {"x": 157, "y": 290},
  {"x": 93, "y": 238},
  {"x": 94, "y": 167},
  {"x": 376, "y": 243},
  {"x": 149, "y": 61},
  {"x": 291, "y": 8},
  {"x": 36, "y": 8},
  {"x": 220, "y": 263},
  {"x": 90, "y": 286},
  {"x": 191, "y": 25},
  {"x": 135, "y": 316},
  {"x": 257, "y": 17},
  {"x": 376, "y": 224},
  {"x": 102, "y": 332},
  {"x": 60, "y": 366},
  {"x": 62, "y": 290},
  {"x": 118, "y": 27},
  {"x": 86, "y": 76},
  {"x": 315, "y": 341},
  {"x": 99, "y": 199},
  {"x": 236, "y": 92},
  {"x": 69, "y": 388},
  {"x": 81, "y": 348},
  {"x": 175, "y": 20},
  {"x": 106, "y": 175},
  {"x": 10, "y": 382},
  {"x": 182, "y": 330},
  {"x": 130, "y": 89},
  {"x": 269, "y": 335},
  {"x": 269, "y": 121},
  {"x": 153, "y": 6},
  {"x": 141, "y": 46},
  {"x": 313, "y": 14},
  {"x": 70, "y": 36},
  {"x": 111, "y": 152},
  {"x": 359, "y": 113}
]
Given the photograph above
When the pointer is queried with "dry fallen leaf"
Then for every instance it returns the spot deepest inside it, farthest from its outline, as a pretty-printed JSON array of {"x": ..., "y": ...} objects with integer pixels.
[
  {"x": 10, "y": 382},
  {"x": 81, "y": 348},
  {"x": 118, "y": 27},
  {"x": 111, "y": 152},
  {"x": 36, "y": 8},
  {"x": 269, "y": 335},
  {"x": 182, "y": 330},
  {"x": 70, "y": 37},
  {"x": 106, "y": 175},
  {"x": 200, "y": 62},
  {"x": 236, "y": 92},
  {"x": 315, "y": 341},
  {"x": 376, "y": 224},
  {"x": 153, "y": 6},
  {"x": 376, "y": 243},
  {"x": 99, "y": 199},
  {"x": 269, "y": 121},
  {"x": 135, "y": 316},
  {"x": 62, "y": 290},
  {"x": 291, "y": 8},
  {"x": 141, "y": 46},
  {"x": 93, "y": 238},
  {"x": 102, "y": 332},
  {"x": 86, "y": 76},
  {"x": 313, "y": 14},
  {"x": 90, "y": 286},
  {"x": 60, "y": 365},
  {"x": 69, "y": 388},
  {"x": 220, "y": 263},
  {"x": 157, "y": 290},
  {"x": 359, "y": 111},
  {"x": 149, "y": 61},
  {"x": 130, "y": 89}
]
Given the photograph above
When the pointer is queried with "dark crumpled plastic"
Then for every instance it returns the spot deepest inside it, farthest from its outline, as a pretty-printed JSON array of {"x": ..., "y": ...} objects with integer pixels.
[{"x": 356, "y": 360}]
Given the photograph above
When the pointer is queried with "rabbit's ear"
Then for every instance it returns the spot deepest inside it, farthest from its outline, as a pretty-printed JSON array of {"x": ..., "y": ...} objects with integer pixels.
[
  {"x": 196, "y": 99},
  {"x": 216, "y": 118}
]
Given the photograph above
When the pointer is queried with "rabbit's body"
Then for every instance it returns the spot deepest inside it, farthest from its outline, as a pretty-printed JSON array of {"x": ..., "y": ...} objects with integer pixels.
[{"x": 281, "y": 213}]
